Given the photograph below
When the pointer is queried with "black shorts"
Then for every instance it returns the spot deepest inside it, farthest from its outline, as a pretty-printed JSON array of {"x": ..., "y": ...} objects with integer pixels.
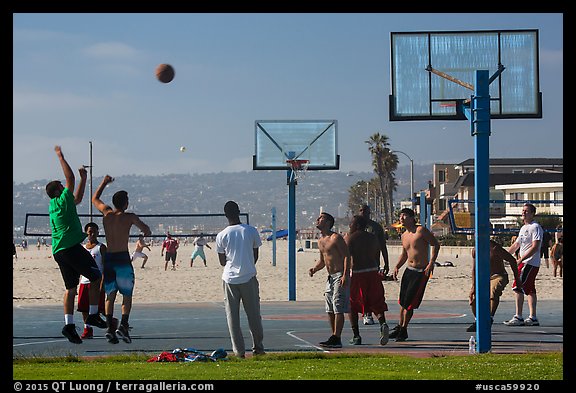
[
  {"x": 170, "y": 256},
  {"x": 412, "y": 288},
  {"x": 76, "y": 261},
  {"x": 544, "y": 252}
]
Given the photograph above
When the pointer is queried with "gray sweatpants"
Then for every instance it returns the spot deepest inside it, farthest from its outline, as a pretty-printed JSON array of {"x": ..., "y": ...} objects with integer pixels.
[{"x": 249, "y": 294}]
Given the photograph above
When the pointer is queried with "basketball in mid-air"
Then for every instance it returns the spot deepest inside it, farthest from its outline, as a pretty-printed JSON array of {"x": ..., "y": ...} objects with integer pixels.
[{"x": 165, "y": 73}]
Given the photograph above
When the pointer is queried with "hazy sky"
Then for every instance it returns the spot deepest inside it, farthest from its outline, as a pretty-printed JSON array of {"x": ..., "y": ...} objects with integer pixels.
[{"x": 90, "y": 77}]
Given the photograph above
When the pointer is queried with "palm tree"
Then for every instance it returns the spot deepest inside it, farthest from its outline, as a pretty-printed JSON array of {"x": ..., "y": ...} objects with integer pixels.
[{"x": 385, "y": 163}]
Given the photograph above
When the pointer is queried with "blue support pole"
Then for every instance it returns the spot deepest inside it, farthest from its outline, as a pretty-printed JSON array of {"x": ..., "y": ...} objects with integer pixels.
[
  {"x": 291, "y": 235},
  {"x": 480, "y": 126},
  {"x": 273, "y": 236}
]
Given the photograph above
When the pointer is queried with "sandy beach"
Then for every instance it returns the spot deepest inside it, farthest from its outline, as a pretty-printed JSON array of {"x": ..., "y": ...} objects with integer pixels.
[{"x": 37, "y": 279}]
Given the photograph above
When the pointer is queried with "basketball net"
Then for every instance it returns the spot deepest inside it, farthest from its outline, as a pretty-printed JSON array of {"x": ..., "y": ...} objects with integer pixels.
[{"x": 299, "y": 168}]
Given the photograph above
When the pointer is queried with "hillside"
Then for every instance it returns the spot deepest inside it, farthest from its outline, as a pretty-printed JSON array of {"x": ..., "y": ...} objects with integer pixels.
[{"x": 257, "y": 192}]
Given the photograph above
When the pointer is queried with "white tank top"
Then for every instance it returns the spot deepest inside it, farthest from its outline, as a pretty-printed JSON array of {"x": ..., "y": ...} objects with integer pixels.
[{"x": 97, "y": 255}]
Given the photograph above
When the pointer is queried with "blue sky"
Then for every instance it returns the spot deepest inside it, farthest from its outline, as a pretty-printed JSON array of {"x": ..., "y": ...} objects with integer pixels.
[{"x": 90, "y": 77}]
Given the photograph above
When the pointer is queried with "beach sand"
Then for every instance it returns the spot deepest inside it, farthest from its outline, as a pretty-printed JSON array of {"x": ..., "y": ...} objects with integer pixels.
[{"x": 37, "y": 279}]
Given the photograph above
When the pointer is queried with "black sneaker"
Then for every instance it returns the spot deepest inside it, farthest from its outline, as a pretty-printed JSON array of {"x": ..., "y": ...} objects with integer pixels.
[
  {"x": 95, "y": 320},
  {"x": 394, "y": 332},
  {"x": 69, "y": 331},
  {"x": 122, "y": 331},
  {"x": 332, "y": 342},
  {"x": 384, "y": 334},
  {"x": 111, "y": 337},
  {"x": 471, "y": 328},
  {"x": 402, "y": 334}
]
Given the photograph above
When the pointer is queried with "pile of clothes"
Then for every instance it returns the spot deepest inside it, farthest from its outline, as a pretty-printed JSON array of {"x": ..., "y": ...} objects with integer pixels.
[{"x": 190, "y": 355}]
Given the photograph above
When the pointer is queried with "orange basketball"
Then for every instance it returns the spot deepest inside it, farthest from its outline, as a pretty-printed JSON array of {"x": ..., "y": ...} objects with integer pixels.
[{"x": 165, "y": 73}]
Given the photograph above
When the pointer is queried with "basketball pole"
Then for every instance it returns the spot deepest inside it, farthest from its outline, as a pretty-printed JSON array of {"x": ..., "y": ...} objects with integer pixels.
[
  {"x": 479, "y": 116},
  {"x": 291, "y": 180}
]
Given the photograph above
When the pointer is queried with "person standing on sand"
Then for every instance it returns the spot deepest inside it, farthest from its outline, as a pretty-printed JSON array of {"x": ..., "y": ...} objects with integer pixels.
[
  {"x": 334, "y": 255},
  {"x": 171, "y": 245},
  {"x": 199, "y": 244},
  {"x": 118, "y": 269},
  {"x": 419, "y": 267},
  {"x": 139, "y": 251},
  {"x": 69, "y": 253}
]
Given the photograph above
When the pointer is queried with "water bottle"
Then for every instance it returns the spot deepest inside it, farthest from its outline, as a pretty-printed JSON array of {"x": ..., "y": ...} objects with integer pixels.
[{"x": 472, "y": 345}]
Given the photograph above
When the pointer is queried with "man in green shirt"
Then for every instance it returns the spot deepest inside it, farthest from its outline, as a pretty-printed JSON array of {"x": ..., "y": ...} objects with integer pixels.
[{"x": 72, "y": 258}]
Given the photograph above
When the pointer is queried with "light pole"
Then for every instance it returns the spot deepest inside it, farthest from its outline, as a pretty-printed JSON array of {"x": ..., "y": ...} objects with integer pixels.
[{"x": 411, "y": 175}]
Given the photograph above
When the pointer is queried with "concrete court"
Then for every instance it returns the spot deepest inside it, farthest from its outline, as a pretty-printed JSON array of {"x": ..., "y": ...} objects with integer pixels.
[{"x": 438, "y": 327}]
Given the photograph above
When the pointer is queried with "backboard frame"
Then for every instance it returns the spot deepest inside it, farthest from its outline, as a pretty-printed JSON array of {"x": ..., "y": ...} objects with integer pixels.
[
  {"x": 277, "y": 141},
  {"x": 429, "y": 96}
]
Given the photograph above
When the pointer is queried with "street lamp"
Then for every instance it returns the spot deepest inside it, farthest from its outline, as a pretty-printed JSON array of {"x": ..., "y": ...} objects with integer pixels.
[{"x": 411, "y": 174}]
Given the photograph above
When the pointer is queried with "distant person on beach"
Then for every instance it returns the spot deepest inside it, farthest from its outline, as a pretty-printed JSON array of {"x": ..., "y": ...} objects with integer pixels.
[
  {"x": 118, "y": 269},
  {"x": 14, "y": 254},
  {"x": 366, "y": 289},
  {"x": 419, "y": 267},
  {"x": 334, "y": 255},
  {"x": 545, "y": 248},
  {"x": 377, "y": 230},
  {"x": 67, "y": 249},
  {"x": 199, "y": 244},
  {"x": 238, "y": 246},
  {"x": 498, "y": 278},
  {"x": 171, "y": 246},
  {"x": 528, "y": 242},
  {"x": 557, "y": 253},
  {"x": 139, "y": 251},
  {"x": 98, "y": 252}
]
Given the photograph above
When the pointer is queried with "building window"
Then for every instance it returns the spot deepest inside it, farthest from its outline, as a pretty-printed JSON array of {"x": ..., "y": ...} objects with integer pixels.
[
  {"x": 442, "y": 176},
  {"x": 558, "y": 196},
  {"x": 442, "y": 204},
  {"x": 517, "y": 196}
]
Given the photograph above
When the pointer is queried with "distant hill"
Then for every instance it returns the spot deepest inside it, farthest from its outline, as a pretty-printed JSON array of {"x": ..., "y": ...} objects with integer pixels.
[{"x": 257, "y": 192}]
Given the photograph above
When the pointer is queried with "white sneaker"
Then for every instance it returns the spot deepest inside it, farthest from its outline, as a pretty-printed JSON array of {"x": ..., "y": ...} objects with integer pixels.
[
  {"x": 531, "y": 321},
  {"x": 515, "y": 321},
  {"x": 368, "y": 320}
]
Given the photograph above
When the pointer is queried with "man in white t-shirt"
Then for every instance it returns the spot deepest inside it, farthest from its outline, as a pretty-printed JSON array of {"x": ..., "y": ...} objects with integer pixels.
[
  {"x": 237, "y": 247},
  {"x": 528, "y": 241}
]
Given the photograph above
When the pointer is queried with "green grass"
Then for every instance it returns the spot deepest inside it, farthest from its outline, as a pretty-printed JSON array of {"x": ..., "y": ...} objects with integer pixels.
[{"x": 299, "y": 366}]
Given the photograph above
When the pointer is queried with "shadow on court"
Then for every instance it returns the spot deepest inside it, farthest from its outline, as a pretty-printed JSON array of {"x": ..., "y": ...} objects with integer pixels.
[{"x": 438, "y": 327}]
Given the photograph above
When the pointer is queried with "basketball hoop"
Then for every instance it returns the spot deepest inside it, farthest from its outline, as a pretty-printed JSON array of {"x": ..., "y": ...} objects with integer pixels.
[{"x": 299, "y": 168}]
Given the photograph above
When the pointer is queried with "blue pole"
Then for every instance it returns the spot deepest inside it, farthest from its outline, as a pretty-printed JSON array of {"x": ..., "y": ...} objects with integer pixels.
[
  {"x": 480, "y": 126},
  {"x": 291, "y": 235},
  {"x": 423, "y": 208},
  {"x": 273, "y": 236}
]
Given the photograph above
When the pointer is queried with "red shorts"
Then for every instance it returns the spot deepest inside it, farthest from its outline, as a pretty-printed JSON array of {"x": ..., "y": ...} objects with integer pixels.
[
  {"x": 528, "y": 277},
  {"x": 367, "y": 293},
  {"x": 84, "y": 299}
]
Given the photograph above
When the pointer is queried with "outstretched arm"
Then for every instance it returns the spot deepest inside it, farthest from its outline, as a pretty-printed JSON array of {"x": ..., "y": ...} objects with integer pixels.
[
  {"x": 79, "y": 194},
  {"x": 104, "y": 208},
  {"x": 68, "y": 174}
]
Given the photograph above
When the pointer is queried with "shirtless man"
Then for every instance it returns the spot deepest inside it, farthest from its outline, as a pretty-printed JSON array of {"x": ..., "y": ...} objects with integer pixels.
[
  {"x": 366, "y": 289},
  {"x": 118, "y": 269},
  {"x": 139, "y": 251},
  {"x": 335, "y": 257},
  {"x": 415, "y": 242},
  {"x": 498, "y": 278}
]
